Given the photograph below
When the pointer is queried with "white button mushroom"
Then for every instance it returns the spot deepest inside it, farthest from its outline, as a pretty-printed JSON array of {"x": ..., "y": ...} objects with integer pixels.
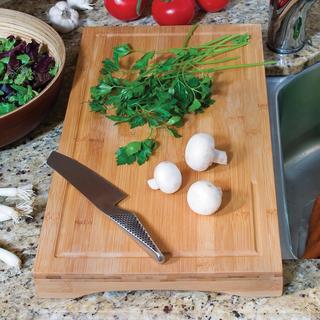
[
  {"x": 166, "y": 177},
  {"x": 204, "y": 197},
  {"x": 200, "y": 152}
]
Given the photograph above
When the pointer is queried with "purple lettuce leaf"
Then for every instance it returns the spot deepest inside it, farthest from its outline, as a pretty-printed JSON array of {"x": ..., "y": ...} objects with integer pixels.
[
  {"x": 19, "y": 49},
  {"x": 32, "y": 50},
  {"x": 44, "y": 64},
  {"x": 13, "y": 64}
]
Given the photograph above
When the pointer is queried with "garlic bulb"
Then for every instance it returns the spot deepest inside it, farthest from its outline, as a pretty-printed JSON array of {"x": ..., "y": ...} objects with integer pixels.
[
  {"x": 63, "y": 18},
  {"x": 80, "y": 4}
]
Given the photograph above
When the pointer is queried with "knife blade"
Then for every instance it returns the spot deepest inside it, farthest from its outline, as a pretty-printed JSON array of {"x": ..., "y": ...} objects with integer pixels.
[
  {"x": 105, "y": 196},
  {"x": 98, "y": 190}
]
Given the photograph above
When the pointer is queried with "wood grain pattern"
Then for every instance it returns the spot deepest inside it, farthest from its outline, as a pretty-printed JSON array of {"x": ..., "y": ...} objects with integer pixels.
[{"x": 240, "y": 242}]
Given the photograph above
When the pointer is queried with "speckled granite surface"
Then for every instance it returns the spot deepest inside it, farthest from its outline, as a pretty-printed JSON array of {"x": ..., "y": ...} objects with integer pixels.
[{"x": 24, "y": 162}]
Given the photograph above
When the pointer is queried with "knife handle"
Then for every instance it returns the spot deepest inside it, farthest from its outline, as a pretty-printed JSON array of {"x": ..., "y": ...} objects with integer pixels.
[{"x": 130, "y": 223}]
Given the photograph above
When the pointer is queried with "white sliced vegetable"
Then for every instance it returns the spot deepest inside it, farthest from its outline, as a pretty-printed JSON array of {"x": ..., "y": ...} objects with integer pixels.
[
  {"x": 80, "y": 4},
  {"x": 10, "y": 258},
  {"x": 200, "y": 152},
  {"x": 166, "y": 177},
  {"x": 24, "y": 193},
  {"x": 8, "y": 213},
  {"x": 63, "y": 18},
  {"x": 25, "y": 208},
  {"x": 204, "y": 197}
]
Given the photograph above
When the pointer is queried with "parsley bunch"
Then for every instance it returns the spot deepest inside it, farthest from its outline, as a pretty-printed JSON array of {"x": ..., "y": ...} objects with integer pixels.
[{"x": 160, "y": 92}]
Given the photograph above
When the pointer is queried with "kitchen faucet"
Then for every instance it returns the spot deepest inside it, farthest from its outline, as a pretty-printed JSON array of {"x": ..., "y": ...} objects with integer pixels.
[{"x": 286, "y": 32}]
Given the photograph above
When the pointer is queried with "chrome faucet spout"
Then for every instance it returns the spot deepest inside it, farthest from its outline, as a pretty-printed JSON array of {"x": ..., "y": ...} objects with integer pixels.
[{"x": 286, "y": 32}]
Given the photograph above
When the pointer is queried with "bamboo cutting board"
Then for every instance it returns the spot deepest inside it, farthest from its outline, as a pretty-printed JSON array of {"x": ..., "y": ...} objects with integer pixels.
[{"x": 236, "y": 250}]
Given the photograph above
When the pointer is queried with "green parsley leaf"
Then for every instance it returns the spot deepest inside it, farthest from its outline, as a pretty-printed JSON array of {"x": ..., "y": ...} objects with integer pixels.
[
  {"x": 109, "y": 66},
  {"x": 174, "y": 133},
  {"x": 123, "y": 158},
  {"x": 139, "y": 151},
  {"x": 137, "y": 121},
  {"x": 119, "y": 52},
  {"x": 196, "y": 105},
  {"x": 173, "y": 120},
  {"x": 142, "y": 63},
  {"x": 133, "y": 147}
]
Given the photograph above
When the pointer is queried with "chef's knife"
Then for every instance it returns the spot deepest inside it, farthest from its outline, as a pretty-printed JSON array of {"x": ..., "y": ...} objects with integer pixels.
[{"x": 105, "y": 196}]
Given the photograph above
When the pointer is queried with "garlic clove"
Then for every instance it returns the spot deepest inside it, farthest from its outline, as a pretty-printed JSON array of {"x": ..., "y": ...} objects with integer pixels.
[
  {"x": 10, "y": 258},
  {"x": 80, "y": 4},
  {"x": 6, "y": 217},
  {"x": 7, "y": 213}
]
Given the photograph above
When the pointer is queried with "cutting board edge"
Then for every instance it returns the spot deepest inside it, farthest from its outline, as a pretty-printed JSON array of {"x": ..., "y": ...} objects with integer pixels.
[
  {"x": 138, "y": 275},
  {"x": 74, "y": 288},
  {"x": 182, "y": 27}
]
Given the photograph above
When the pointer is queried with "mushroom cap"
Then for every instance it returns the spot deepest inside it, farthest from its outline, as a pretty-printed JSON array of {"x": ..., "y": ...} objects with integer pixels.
[
  {"x": 199, "y": 151},
  {"x": 168, "y": 177},
  {"x": 204, "y": 197}
]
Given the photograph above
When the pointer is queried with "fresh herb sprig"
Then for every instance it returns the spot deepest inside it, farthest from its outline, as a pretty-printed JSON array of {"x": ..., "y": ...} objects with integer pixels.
[{"x": 160, "y": 92}]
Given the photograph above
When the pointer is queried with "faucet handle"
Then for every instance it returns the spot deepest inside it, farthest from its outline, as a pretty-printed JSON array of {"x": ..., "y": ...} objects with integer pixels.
[{"x": 286, "y": 32}]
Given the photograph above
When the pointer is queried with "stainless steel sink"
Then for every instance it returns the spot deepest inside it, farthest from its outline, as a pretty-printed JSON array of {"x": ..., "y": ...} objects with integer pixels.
[{"x": 294, "y": 103}]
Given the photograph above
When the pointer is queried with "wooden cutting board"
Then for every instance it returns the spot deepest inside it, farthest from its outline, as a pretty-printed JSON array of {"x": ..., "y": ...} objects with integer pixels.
[{"x": 236, "y": 250}]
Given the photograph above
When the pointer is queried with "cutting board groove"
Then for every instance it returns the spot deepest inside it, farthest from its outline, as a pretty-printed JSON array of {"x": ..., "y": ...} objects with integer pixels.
[{"x": 240, "y": 241}]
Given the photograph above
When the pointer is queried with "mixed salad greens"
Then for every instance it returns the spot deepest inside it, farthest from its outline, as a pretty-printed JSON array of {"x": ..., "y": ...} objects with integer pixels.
[{"x": 25, "y": 70}]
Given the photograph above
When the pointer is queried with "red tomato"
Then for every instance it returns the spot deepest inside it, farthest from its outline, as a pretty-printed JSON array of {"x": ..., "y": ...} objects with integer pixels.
[
  {"x": 282, "y": 3},
  {"x": 173, "y": 12},
  {"x": 125, "y": 9},
  {"x": 212, "y": 5}
]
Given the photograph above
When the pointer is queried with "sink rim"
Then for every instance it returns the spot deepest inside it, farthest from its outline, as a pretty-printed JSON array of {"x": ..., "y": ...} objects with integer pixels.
[{"x": 275, "y": 85}]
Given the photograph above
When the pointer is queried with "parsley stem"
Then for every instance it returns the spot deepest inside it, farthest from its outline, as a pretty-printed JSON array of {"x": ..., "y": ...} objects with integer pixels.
[
  {"x": 218, "y": 61},
  {"x": 189, "y": 35}
]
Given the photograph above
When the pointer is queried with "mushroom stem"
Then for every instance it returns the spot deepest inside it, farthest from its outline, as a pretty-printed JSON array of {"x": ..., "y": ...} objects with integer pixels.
[
  {"x": 153, "y": 184},
  {"x": 219, "y": 156}
]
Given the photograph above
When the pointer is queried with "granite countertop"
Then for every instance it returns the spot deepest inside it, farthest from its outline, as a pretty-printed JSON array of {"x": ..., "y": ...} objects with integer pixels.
[{"x": 24, "y": 162}]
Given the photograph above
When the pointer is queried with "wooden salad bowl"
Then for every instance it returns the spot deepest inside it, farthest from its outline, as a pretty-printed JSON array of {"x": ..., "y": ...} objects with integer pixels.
[{"x": 24, "y": 119}]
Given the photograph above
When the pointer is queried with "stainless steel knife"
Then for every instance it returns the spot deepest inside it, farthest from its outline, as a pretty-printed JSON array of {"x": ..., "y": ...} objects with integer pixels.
[{"x": 105, "y": 196}]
